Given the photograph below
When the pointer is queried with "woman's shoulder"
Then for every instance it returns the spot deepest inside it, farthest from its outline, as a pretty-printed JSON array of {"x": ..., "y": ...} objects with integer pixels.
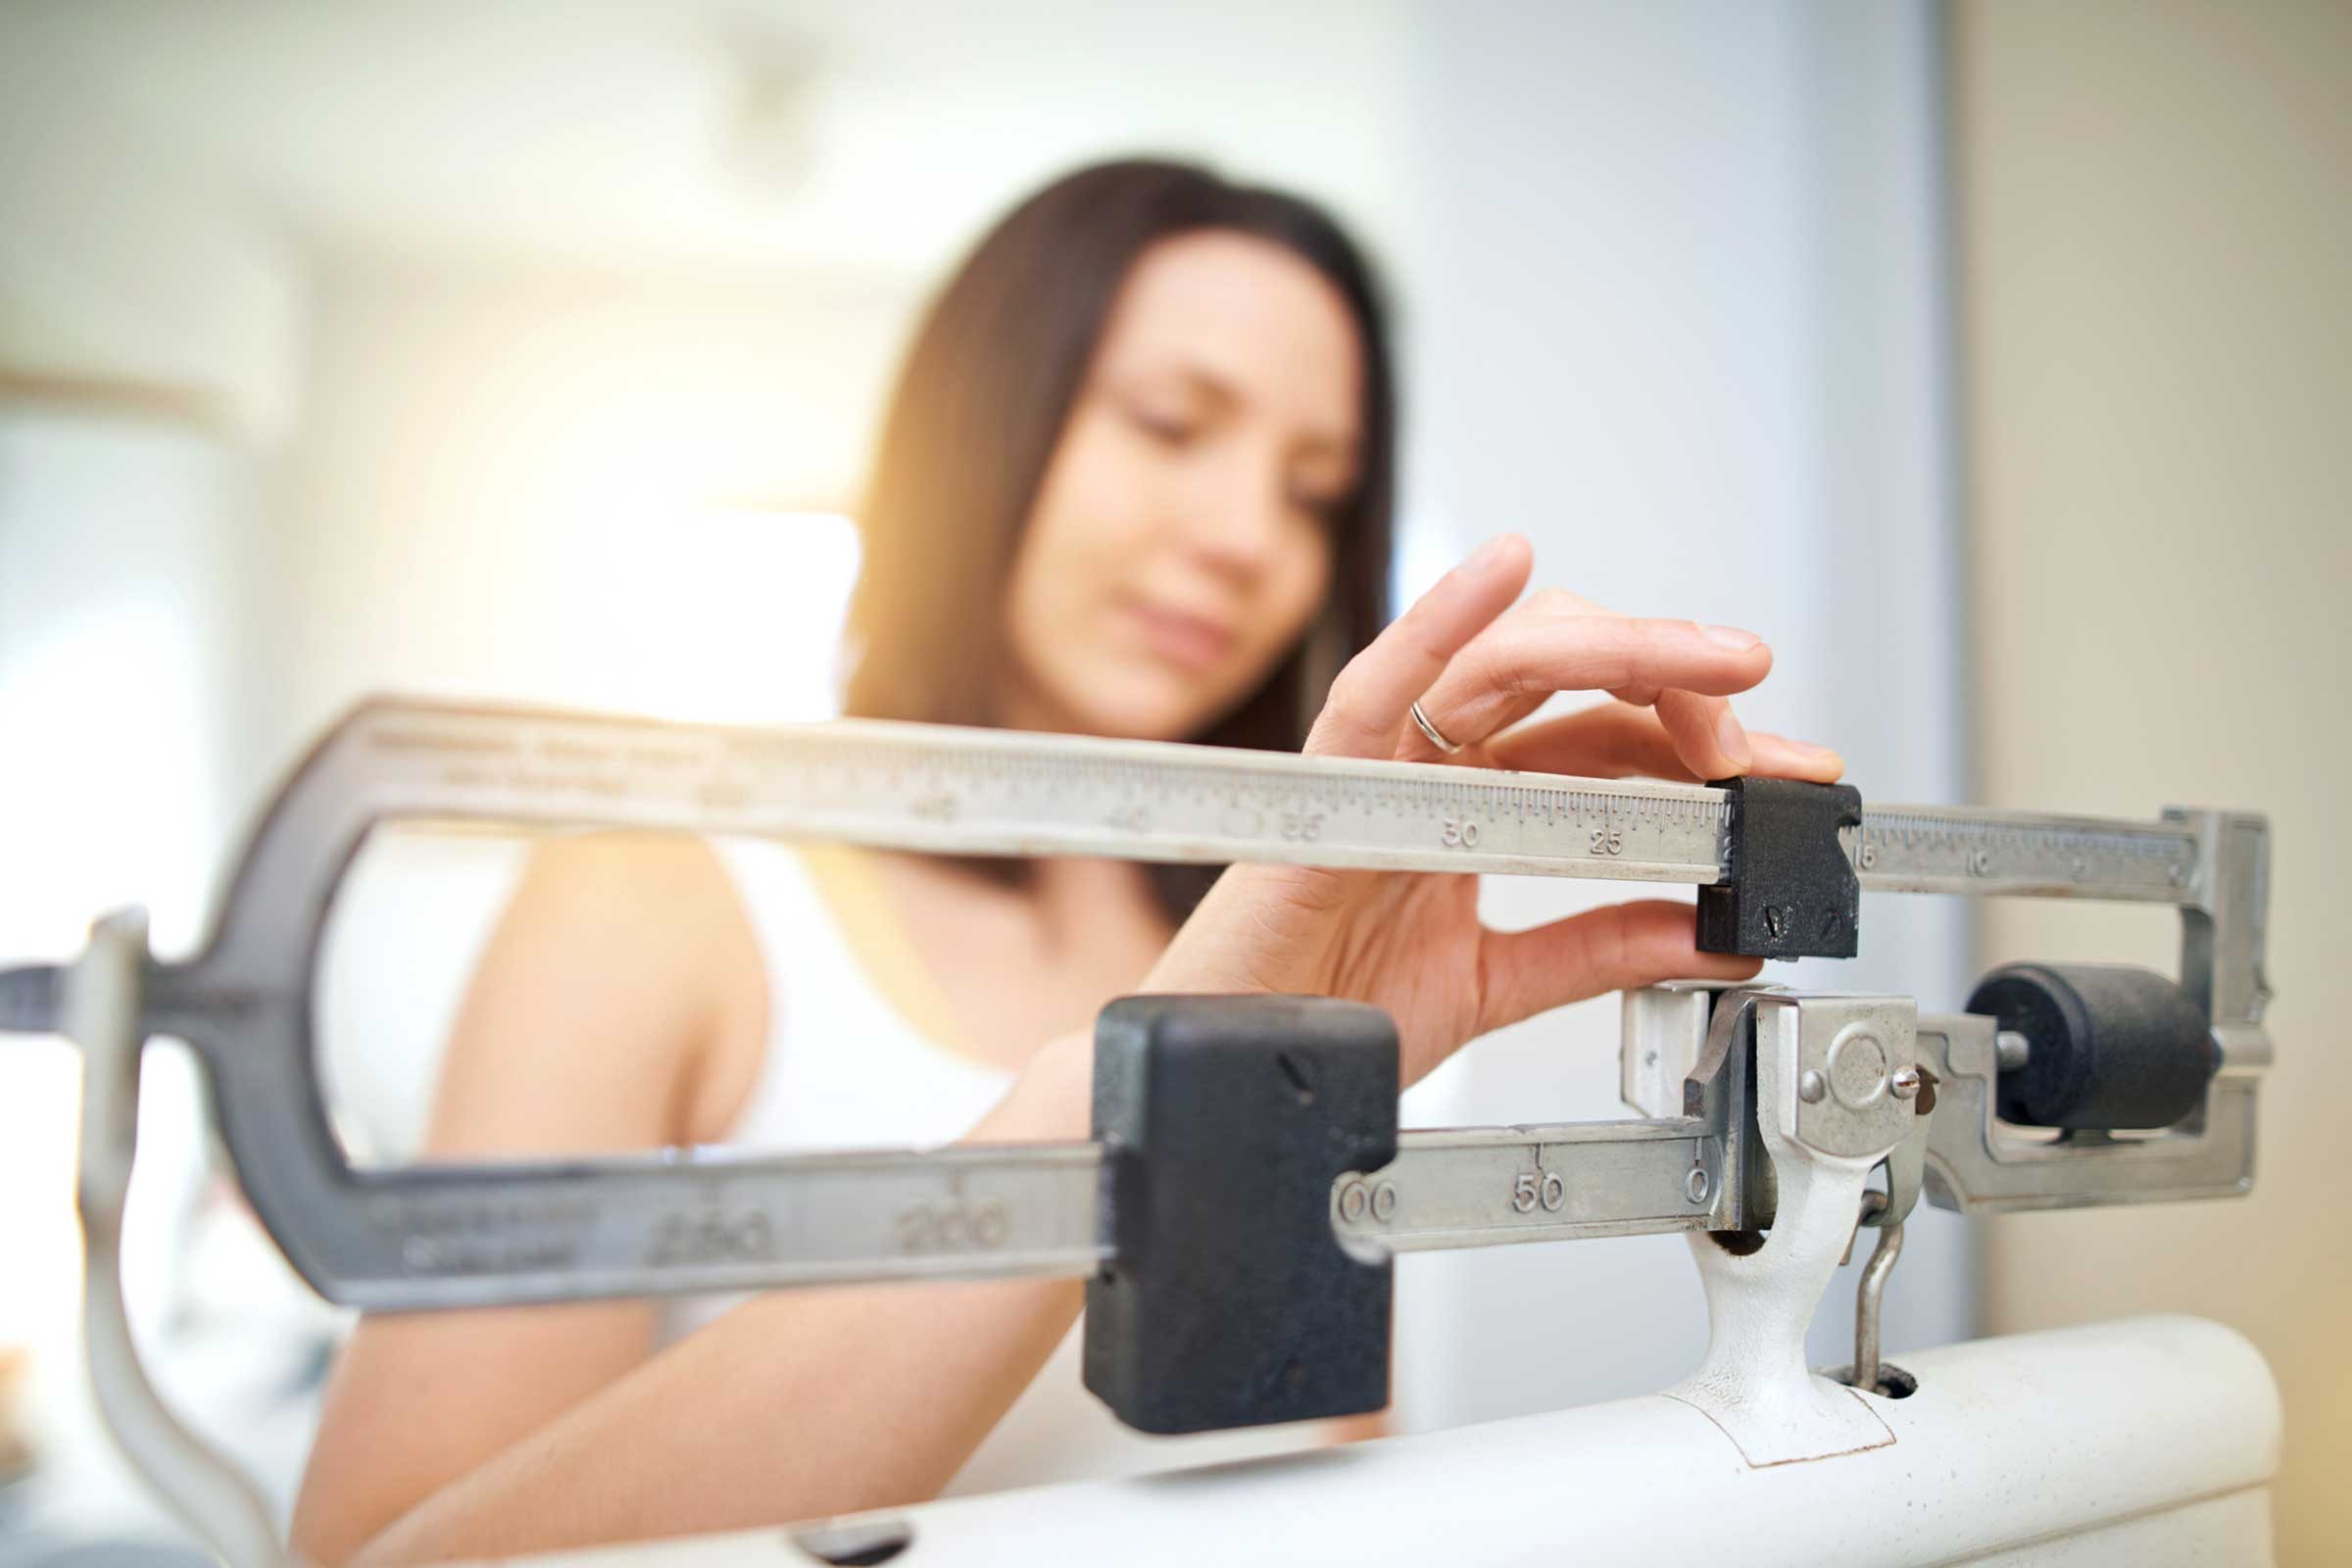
[
  {"x": 663, "y": 903},
  {"x": 658, "y": 915},
  {"x": 606, "y": 872}
]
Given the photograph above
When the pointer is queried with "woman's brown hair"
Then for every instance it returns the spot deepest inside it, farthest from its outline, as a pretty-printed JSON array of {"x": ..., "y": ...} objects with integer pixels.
[{"x": 980, "y": 405}]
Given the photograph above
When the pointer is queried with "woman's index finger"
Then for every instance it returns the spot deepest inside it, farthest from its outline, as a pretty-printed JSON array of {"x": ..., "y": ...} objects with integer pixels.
[
  {"x": 1623, "y": 653},
  {"x": 1369, "y": 701}
]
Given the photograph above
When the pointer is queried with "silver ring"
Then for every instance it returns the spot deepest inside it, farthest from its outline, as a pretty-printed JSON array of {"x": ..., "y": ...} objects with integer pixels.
[{"x": 1436, "y": 737}]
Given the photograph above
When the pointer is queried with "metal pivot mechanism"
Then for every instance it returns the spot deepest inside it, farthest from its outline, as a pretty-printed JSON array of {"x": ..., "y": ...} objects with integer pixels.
[
  {"x": 1831, "y": 1076},
  {"x": 1247, "y": 1188}
]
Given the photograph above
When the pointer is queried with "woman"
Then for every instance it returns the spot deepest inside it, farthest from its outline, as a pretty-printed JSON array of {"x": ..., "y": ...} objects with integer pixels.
[{"x": 1136, "y": 480}]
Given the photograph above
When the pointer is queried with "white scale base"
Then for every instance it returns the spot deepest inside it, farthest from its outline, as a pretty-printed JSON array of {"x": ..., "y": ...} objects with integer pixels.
[{"x": 2144, "y": 1442}]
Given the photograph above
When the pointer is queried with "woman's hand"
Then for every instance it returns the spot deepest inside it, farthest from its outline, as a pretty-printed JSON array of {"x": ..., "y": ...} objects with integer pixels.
[{"x": 1411, "y": 942}]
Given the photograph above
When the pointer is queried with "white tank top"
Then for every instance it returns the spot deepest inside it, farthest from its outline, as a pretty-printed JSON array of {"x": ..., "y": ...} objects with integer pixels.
[{"x": 858, "y": 1055}]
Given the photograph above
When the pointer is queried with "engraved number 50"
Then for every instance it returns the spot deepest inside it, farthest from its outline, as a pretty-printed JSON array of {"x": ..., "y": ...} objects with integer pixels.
[
  {"x": 1459, "y": 833},
  {"x": 1536, "y": 1190}
]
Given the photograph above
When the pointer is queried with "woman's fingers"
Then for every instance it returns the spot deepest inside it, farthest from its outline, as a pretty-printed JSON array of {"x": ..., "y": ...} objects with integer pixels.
[
  {"x": 1777, "y": 757},
  {"x": 1369, "y": 701},
  {"x": 1482, "y": 710},
  {"x": 1709, "y": 740},
  {"x": 1557, "y": 642},
  {"x": 1611, "y": 740},
  {"x": 1617, "y": 740},
  {"x": 1522, "y": 973},
  {"x": 1624, "y": 653}
]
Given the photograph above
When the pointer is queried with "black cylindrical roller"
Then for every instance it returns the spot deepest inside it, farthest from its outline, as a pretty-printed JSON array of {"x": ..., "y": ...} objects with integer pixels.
[{"x": 2112, "y": 1046}]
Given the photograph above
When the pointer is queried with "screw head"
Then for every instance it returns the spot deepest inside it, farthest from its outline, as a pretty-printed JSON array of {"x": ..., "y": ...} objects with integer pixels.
[
  {"x": 1905, "y": 1083},
  {"x": 1811, "y": 1087}
]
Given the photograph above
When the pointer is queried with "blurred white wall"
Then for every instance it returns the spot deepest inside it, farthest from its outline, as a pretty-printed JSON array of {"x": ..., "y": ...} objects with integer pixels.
[
  {"x": 1679, "y": 313},
  {"x": 550, "y": 338},
  {"x": 2157, "y": 248},
  {"x": 570, "y": 487}
]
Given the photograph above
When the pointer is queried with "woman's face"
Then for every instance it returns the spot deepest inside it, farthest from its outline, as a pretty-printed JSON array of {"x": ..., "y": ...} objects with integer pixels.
[{"x": 1182, "y": 537}]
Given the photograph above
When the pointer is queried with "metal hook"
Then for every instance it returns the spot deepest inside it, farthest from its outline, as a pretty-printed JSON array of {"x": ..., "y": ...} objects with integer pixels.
[{"x": 1870, "y": 1293}]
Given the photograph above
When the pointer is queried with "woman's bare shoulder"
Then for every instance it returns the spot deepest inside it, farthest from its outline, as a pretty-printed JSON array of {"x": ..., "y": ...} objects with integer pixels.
[
  {"x": 632, "y": 956},
  {"x": 629, "y": 874}
]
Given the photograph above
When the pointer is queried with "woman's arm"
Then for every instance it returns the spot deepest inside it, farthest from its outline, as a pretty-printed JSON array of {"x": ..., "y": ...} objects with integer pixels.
[
  {"x": 795, "y": 1403},
  {"x": 618, "y": 1005},
  {"x": 621, "y": 1006}
]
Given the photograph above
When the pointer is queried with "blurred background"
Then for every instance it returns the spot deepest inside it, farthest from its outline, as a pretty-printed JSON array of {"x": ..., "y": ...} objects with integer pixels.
[{"x": 1994, "y": 361}]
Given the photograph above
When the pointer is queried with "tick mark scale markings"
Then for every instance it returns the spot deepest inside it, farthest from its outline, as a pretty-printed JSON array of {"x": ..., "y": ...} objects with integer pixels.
[{"x": 983, "y": 792}]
